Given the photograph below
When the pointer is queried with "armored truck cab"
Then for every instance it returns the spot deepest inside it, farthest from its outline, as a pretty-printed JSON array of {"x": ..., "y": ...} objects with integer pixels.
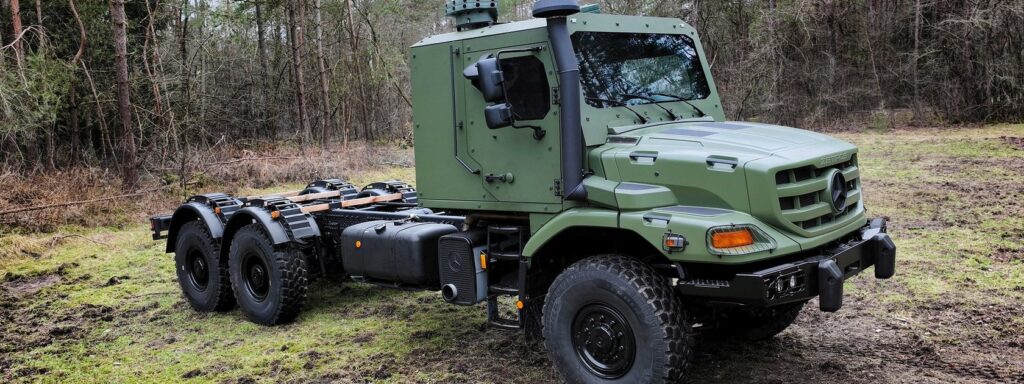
[{"x": 576, "y": 173}]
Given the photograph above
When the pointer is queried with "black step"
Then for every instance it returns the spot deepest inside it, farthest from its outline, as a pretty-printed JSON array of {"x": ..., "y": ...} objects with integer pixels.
[
  {"x": 504, "y": 230},
  {"x": 506, "y": 324},
  {"x": 509, "y": 256},
  {"x": 503, "y": 290},
  {"x": 495, "y": 320}
]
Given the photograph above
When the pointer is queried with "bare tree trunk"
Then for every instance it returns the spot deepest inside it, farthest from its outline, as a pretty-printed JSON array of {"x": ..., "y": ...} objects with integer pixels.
[
  {"x": 264, "y": 72},
  {"x": 916, "y": 57},
  {"x": 128, "y": 161},
  {"x": 2, "y": 6},
  {"x": 19, "y": 49},
  {"x": 185, "y": 13},
  {"x": 300, "y": 83},
  {"x": 151, "y": 72},
  {"x": 75, "y": 154},
  {"x": 357, "y": 67},
  {"x": 104, "y": 127},
  {"x": 326, "y": 117},
  {"x": 39, "y": 14},
  {"x": 82, "y": 39}
]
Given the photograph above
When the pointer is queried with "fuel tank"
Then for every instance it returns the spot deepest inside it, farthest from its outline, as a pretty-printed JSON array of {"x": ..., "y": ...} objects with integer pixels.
[{"x": 398, "y": 252}]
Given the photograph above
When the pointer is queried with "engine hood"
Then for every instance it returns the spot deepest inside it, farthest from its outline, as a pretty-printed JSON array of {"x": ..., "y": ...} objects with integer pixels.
[
  {"x": 701, "y": 163},
  {"x": 754, "y": 139}
]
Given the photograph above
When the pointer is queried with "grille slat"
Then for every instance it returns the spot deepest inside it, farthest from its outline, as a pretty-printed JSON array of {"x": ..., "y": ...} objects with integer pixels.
[{"x": 801, "y": 192}]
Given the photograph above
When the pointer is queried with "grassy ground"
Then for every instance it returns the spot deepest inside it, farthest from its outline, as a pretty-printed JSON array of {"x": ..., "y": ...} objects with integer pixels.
[{"x": 100, "y": 305}]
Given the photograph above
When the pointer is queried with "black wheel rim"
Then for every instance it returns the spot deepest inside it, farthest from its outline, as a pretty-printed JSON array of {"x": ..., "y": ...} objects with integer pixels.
[
  {"x": 198, "y": 270},
  {"x": 256, "y": 276},
  {"x": 603, "y": 340}
]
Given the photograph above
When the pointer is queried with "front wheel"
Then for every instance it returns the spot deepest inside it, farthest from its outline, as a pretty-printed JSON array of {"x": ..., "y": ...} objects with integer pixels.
[
  {"x": 613, "y": 319},
  {"x": 269, "y": 283}
]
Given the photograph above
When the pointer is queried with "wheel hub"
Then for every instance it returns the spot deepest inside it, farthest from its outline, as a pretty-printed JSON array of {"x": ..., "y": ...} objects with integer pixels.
[
  {"x": 198, "y": 273},
  {"x": 257, "y": 281},
  {"x": 603, "y": 341}
]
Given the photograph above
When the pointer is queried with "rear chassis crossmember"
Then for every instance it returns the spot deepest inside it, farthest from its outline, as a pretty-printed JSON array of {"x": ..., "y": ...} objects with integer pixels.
[{"x": 821, "y": 275}]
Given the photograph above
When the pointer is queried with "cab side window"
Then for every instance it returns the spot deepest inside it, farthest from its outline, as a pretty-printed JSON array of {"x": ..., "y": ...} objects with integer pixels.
[{"x": 526, "y": 84}]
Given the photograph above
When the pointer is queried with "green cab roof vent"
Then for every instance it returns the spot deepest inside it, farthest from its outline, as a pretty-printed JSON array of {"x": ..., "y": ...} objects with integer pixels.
[
  {"x": 591, "y": 8},
  {"x": 472, "y": 14}
]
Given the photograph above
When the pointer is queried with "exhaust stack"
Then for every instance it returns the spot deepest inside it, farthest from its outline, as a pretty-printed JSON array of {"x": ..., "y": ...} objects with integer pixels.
[{"x": 556, "y": 11}]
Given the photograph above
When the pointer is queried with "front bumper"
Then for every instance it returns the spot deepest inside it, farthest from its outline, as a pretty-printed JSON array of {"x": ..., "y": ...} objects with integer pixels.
[{"x": 822, "y": 275}]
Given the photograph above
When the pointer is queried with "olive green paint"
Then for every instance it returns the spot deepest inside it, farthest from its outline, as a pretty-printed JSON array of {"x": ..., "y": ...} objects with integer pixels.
[{"x": 637, "y": 171}]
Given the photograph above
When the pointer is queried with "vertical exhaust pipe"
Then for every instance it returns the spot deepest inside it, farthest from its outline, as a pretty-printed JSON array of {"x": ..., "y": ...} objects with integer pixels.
[{"x": 556, "y": 11}]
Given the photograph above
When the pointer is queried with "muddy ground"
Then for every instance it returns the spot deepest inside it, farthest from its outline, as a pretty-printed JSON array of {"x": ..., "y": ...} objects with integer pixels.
[{"x": 89, "y": 305}]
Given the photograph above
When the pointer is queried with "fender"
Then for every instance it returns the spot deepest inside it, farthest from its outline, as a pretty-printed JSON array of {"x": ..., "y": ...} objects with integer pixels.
[
  {"x": 576, "y": 217},
  {"x": 277, "y": 232},
  {"x": 193, "y": 211}
]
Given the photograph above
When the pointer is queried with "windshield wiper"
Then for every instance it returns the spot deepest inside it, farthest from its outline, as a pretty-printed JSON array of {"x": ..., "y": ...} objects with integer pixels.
[
  {"x": 643, "y": 120},
  {"x": 680, "y": 98},
  {"x": 671, "y": 114}
]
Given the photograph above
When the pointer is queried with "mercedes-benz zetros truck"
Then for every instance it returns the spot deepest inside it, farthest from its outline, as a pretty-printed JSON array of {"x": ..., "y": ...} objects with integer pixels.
[{"x": 580, "y": 168}]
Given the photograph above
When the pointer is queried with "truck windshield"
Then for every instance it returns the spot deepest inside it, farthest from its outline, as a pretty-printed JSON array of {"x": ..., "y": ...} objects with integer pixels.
[{"x": 621, "y": 66}]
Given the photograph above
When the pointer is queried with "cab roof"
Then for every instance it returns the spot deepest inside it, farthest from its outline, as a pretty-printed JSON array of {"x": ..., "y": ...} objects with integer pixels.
[{"x": 581, "y": 21}]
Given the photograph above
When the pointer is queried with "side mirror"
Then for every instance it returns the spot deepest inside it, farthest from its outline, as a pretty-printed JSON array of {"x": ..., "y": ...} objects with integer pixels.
[
  {"x": 498, "y": 116},
  {"x": 487, "y": 76}
]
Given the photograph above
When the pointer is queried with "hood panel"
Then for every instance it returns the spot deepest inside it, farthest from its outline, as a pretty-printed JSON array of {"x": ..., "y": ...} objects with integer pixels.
[
  {"x": 774, "y": 173},
  {"x": 740, "y": 137}
]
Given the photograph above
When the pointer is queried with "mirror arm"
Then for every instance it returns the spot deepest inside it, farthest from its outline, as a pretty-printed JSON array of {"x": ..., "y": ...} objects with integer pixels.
[{"x": 538, "y": 132}]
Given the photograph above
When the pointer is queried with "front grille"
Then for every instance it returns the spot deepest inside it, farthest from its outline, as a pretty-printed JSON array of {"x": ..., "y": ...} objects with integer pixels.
[{"x": 804, "y": 201}]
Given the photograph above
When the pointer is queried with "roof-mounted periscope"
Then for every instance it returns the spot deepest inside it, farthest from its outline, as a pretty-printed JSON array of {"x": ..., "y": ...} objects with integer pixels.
[{"x": 472, "y": 14}]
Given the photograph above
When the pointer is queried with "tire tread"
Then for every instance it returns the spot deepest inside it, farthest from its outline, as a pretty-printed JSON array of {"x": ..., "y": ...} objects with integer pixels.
[
  {"x": 294, "y": 279},
  {"x": 658, "y": 294}
]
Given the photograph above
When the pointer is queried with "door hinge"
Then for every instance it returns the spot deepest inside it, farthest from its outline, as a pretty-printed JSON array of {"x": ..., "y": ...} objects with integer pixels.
[
  {"x": 558, "y": 187},
  {"x": 555, "y": 96}
]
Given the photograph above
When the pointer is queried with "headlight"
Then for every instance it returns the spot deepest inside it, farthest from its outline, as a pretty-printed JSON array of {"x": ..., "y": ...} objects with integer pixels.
[{"x": 742, "y": 239}]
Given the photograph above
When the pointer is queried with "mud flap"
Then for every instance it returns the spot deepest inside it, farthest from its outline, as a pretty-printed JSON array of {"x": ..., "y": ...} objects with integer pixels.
[{"x": 830, "y": 286}]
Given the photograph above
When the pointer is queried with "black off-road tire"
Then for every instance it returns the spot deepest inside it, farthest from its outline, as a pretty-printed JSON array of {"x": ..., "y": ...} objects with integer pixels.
[
  {"x": 759, "y": 323},
  {"x": 589, "y": 297},
  {"x": 202, "y": 274},
  {"x": 253, "y": 258}
]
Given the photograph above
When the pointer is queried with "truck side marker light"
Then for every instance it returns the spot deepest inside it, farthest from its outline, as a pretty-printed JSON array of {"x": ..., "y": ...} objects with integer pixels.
[
  {"x": 483, "y": 261},
  {"x": 216, "y": 210},
  {"x": 674, "y": 242},
  {"x": 519, "y": 304},
  {"x": 275, "y": 215},
  {"x": 359, "y": 244}
]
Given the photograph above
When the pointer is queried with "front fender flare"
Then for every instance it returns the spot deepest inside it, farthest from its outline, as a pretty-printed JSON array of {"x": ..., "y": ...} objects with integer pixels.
[{"x": 577, "y": 217}]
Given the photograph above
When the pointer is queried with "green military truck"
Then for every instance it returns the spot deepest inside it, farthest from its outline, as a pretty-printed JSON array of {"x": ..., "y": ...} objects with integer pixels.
[{"x": 577, "y": 174}]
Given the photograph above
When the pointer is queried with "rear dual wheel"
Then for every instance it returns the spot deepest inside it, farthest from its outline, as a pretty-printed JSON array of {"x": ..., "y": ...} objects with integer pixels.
[
  {"x": 202, "y": 273},
  {"x": 269, "y": 282}
]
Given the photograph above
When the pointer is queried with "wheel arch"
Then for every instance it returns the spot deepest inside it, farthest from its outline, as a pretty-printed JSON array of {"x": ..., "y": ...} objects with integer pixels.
[
  {"x": 190, "y": 212},
  {"x": 252, "y": 215},
  {"x": 581, "y": 233}
]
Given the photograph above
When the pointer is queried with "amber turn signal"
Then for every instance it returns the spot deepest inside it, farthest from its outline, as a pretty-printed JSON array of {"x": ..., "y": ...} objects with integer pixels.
[
  {"x": 483, "y": 260},
  {"x": 275, "y": 215},
  {"x": 732, "y": 238}
]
